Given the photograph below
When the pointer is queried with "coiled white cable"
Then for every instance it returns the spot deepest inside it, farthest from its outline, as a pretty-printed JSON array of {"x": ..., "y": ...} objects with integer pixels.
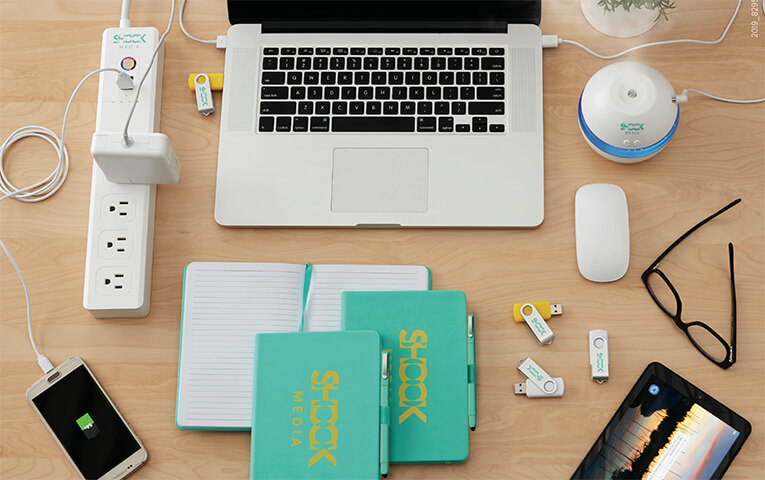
[{"x": 186, "y": 32}]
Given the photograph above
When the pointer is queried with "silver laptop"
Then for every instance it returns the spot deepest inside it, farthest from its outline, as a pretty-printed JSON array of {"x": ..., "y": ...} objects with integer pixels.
[{"x": 382, "y": 113}]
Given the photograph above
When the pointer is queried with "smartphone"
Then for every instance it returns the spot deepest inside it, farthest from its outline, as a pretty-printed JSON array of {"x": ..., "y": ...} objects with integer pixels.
[{"x": 85, "y": 422}]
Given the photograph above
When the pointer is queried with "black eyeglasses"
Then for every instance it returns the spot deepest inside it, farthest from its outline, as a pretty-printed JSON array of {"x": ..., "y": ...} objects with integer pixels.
[{"x": 701, "y": 335}]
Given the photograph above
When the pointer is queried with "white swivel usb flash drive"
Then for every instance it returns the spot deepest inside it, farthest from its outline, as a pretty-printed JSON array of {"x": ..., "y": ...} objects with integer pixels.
[
  {"x": 539, "y": 384},
  {"x": 204, "y": 94},
  {"x": 599, "y": 355},
  {"x": 537, "y": 324}
]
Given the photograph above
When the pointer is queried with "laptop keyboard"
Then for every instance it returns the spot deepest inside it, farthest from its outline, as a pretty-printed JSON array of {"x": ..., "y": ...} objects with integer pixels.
[{"x": 392, "y": 89}]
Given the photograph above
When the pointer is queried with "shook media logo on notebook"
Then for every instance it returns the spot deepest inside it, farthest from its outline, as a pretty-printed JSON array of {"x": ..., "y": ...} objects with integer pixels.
[
  {"x": 323, "y": 414},
  {"x": 413, "y": 370}
]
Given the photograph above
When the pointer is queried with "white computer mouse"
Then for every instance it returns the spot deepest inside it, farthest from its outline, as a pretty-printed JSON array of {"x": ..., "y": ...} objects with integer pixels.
[{"x": 602, "y": 232}]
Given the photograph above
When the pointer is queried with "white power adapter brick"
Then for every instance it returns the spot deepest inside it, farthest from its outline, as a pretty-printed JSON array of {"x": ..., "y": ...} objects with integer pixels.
[{"x": 149, "y": 158}]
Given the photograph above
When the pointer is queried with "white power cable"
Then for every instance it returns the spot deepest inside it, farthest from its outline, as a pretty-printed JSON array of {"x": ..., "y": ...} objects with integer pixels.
[
  {"x": 683, "y": 97},
  {"x": 125, "y": 137},
  {"x": 186, "y": 32},
  {"x": 653, "y": 44},
  {"x": 125, "y": 15},
  {"x": 41, "y": 190}
]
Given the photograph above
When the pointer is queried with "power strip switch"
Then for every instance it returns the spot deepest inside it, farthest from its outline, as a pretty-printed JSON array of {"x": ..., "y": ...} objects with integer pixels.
[{"x": 121, "y": 223}]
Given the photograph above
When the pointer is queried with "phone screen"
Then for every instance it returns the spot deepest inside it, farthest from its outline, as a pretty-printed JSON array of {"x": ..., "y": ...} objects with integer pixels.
[{"x": 86, "y": 424}]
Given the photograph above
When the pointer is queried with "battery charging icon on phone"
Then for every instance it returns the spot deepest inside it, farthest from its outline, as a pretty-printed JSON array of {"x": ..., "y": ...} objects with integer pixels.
[{"x": 88, "y": 426}]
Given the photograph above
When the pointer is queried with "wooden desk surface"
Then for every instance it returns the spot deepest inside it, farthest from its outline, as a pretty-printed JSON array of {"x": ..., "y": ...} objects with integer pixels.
[{"x": 716, "y": 156}]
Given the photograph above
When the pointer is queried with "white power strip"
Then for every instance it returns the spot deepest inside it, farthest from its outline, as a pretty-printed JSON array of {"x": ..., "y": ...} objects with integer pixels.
[{"x": 121, "y": 224}]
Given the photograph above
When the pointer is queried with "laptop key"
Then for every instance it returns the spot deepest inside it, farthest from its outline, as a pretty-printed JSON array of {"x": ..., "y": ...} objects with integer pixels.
[
  {"x": 273, "y": 78},
  {"x": 356, "y": 108},
  {"x": 486, "y": 108},
  {"x": 496, "y": 51},
  {"x": 266, "y": 124},
  {"x": 358, "y": 51},
  {"x": 294, "y": 78},
  {"x": 479, "y": 51},
  {"x": 392, "y": 51},
  {"x": 283, "y": 124},
  {"x": 366, "y": 93},
  {"x": 289, "y": 51},
  {"x": 373, "y": 124},
  {"x": 344, "y": 78},
  {"x": 446, "y": 124},
  {"x": 311, "y": 78},
  {"x": 305, "y": 108},
  {"x": 371, "y": 63},
  {"x": 390, "y": 108},
  {"x": 426, "y": 124},
  {"x": 300, "y": 124},
  {"x": 450, "y": 93},
  {"x": 387, "y": 63},
  {"x": 416, "y": 93},
  {"x": 396, "y": 78},
  {"x": 275, "y": 108},
  {"x": 319, "y": 124},
  {"x": 374, "y": 108},
  {"x": 493, "y": 63},
  {"x": 421, "y": 63},
  {"x": 322, "y": 108},
  {"x": 480, "y": 78},
  {"x": 303, "y": 63},
  {"x": 305, "y": 51},
  {"x": 323, "y": 51},
  {"x": 454, "y": 63},
  {"x": 374, "y": 51},
  {"x": 446, "y": 78},
  {"x": 328, "y": 78},
  {"x": 497, "y": 128},
  {"x": 459, "y": 108},
  {"x": 270, "y": 51},
  {"x": 412, "y": 78},
  {"x": 444, "y": 51},
  {"x": 427, "y": 51},
  {"x": 274, "y": 93},
  {"x": 442, "y": 108},
  {"x": 497, "y": 78},
  {"x": 471, "y": 63},
  {"x": 409, "y": 51},
  {"x": 339, "y": 108},
  {"x": 270, "y": 63},
  {"x": 433, "y": 93},
  {"x": 348, "y": 93},
  {"x": 379, "y": 78},
  {"x": 320, "y": 63},
  {"x": 361, "y": 78},
  {"x": 490, "y": 93},
  {"x": 297, "y": 93},
  {"x": 337, "y": 63},
  {"x": 467, "y": 93},
  {"x": 340, "y": 51},
  {"x": 314, "y": 93},
  {"x": 404, "y": 63},
  {"x": 424, "y": 108},
  {"x": 438, "y": 63},
  {"x": 407, "y": 108},
  {"x": 354, "y": 63},
  {"x": 382, "y": 93},
  {"x": 331, "y": 93},
  {"x": 462, "y": 51},
  {"x": 429, "y": 78},
  {"x": 463, "y": 78},
  {"x": 399, "y": 93},
  {"x": 286, "y": 63},
  {"x": 463, "y": 127}
]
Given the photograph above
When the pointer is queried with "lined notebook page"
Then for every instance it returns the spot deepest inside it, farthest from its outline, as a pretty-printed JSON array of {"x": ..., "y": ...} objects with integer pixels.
[
  {"x": 225, "y": 305},
  {"x": 328, "y": 282}
]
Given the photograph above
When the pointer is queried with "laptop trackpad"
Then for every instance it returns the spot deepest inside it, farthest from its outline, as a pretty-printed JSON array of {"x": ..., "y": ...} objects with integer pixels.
[{"x": 380, "y": 180}]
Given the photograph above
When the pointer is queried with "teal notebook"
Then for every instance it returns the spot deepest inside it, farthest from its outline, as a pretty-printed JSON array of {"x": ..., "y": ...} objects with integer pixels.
[
  {"x": 426, "y": 334},
  {"x": 226, "y": 304},
  {"x": 317, "y": 406}
]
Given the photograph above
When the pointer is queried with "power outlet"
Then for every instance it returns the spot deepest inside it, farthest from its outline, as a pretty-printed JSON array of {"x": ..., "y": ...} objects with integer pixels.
[
  {"x": 113, "y": 281},
  {"x": 118, "y": 207},
  {"x": 121, "y": 224},
  {"x": 115, "y": 244}
]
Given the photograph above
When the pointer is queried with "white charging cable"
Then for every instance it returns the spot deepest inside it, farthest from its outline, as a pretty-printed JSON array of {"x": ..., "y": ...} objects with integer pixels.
[
  {"x": 186, "y": 32},
  {"x": 125, "y": 136},
  {"x": 683, "y": 97},
  {"x": 554, "y": 41}
]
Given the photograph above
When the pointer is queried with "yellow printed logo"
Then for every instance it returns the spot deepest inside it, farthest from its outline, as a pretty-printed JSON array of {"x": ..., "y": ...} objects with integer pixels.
[
  {"x": 324, "y": 413},
  {"x": 413, "y": 370}
]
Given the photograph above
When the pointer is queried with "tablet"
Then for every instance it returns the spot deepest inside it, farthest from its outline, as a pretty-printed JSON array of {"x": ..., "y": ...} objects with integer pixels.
[{"x": 666, "y": 428}]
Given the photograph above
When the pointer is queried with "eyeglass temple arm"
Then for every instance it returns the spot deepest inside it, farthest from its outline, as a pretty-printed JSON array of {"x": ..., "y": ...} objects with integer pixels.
[
  {"x": 733, "y": 303},
  {"x": 691, "y": 230}
]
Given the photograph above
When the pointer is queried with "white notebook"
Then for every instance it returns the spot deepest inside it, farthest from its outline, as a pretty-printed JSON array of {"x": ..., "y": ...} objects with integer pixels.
[{"x": 226, "y": 304}]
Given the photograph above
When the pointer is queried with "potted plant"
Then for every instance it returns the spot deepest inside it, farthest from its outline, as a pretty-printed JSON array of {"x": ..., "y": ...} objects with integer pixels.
[{"x": 625, "y": 18}]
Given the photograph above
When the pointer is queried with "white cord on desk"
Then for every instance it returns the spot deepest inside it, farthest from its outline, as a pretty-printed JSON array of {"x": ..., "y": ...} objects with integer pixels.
[
  {"x": 125, "y": 15},
  {"x": 652, "y": 44},
  {"x": 186, "y": 32},
  {"x": 125, "y": 136},
  {"x": 683, "y": 97}
]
